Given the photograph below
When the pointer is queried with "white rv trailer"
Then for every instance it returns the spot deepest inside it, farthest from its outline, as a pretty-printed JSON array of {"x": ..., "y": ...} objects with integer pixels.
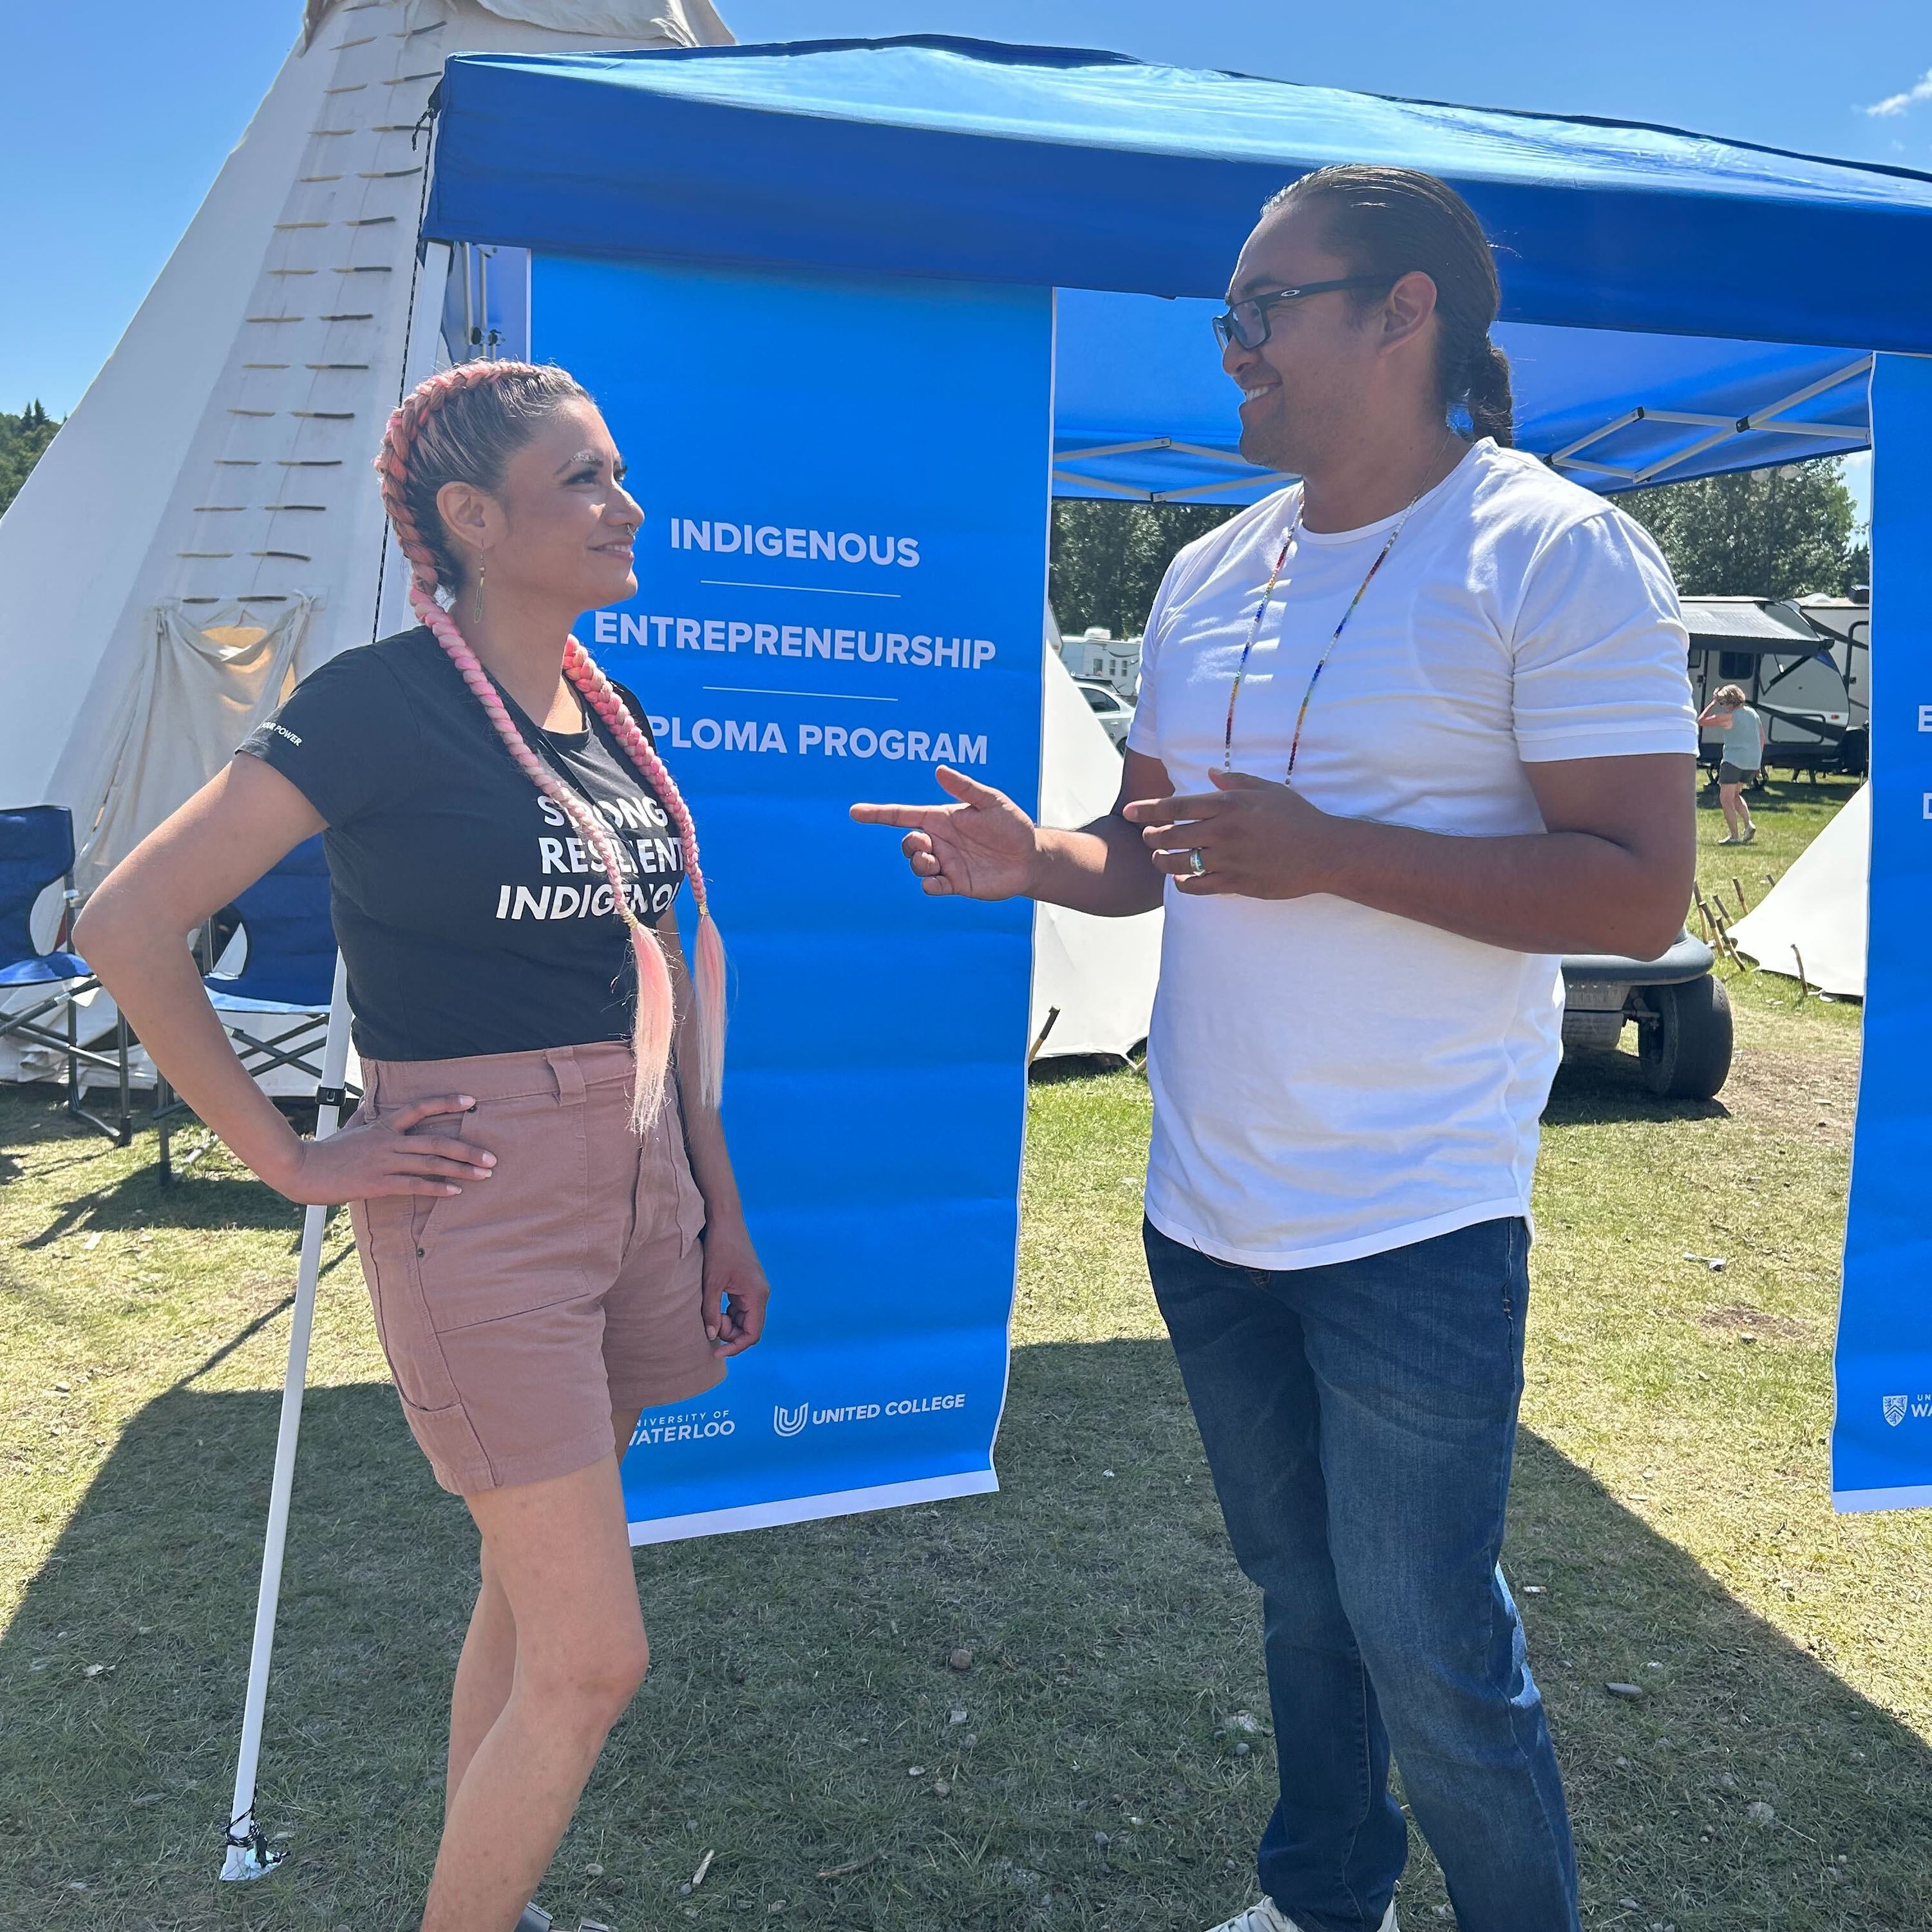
[
  {"x": 1785, "y": 665},
  {"x": 1849, "y": 620}
]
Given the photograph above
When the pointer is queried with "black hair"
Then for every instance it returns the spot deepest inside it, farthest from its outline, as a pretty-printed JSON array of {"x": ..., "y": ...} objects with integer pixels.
[{"x": 1386, "y": 222}]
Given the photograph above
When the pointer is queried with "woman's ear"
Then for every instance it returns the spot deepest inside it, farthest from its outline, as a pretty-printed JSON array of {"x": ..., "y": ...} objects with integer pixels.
[{"x": 470, "y": 516}]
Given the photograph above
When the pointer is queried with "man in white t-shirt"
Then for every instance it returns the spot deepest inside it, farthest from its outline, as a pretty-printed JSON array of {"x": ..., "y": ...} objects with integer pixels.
[{"x": 1407, "y": 733}]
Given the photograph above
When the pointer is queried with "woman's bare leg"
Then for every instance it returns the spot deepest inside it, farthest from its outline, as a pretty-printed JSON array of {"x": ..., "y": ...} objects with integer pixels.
[
  {"x": 560, "y": 1554},
  {"x": 488, "y": 1665},
  {"x": 1728, "y": 796},
  {"x": 484, "y": 1673}
]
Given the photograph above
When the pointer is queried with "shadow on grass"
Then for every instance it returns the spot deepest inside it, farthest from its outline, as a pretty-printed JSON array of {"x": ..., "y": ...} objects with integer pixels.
[
  {"x": 138, "y": 1201},
  {"x": 1598, "y": 1087},
  {"x": 1078, "y": 1066},
  {"x": 1787, "y": 793},
  {"x": 214, "y": 1191},
  {"x": 802, "y": 1674}
]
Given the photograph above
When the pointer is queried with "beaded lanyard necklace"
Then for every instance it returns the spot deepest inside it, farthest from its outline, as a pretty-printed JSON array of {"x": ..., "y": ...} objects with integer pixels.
[{"x": 1328, "y": 649}]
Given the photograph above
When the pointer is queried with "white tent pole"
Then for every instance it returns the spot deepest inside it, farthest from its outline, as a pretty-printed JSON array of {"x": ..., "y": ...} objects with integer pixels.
[{"x": 248, "y": 1854}]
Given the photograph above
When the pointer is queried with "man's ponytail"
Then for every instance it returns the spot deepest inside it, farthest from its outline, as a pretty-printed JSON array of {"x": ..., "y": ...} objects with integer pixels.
[{"x": 1487, "y": 396}]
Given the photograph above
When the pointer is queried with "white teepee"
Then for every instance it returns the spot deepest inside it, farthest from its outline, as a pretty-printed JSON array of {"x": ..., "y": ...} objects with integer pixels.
[
  {"x": 1813, "y": 919},
  {"x": 224, "y": 451},
  {"x": 1099, "y": 973},
  {"x": 203, "y": 529}
]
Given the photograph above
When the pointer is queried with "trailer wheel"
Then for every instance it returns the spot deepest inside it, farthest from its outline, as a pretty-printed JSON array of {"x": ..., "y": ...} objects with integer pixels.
[{"x": 1686, "y": 1049}]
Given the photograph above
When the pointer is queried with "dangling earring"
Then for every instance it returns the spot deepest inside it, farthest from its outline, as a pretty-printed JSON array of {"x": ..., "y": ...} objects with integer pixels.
[{"x": 481, "y": 571}]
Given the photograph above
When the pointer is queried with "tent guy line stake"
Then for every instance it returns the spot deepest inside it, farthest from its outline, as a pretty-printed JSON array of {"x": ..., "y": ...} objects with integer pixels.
[
  {"x": 1039, "y": 1038},
  {"x": 248, "y": 1855}
]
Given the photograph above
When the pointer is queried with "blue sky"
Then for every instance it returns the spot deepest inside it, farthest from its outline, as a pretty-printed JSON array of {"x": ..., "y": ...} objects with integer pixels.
[{"x": 119, "y": 112}]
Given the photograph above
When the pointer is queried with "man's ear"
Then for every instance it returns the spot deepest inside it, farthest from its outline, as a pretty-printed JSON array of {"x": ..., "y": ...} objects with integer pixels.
[{"x": 1407, "y": 309}]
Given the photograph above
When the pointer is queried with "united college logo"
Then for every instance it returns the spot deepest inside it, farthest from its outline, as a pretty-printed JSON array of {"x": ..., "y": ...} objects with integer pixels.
[
  {"x": 795, "y": 1421},
  {"x": 1894, "y": 1409}
]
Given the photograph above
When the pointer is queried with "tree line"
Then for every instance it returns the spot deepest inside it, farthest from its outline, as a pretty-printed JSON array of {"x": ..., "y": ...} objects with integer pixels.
[
  {"x": 1780, "y": 533},
  {"x": 22, "y": 438}
]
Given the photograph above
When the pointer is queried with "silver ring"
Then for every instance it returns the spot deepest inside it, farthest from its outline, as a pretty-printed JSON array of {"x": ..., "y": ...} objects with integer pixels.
[{"x": 1196, "y": 863}]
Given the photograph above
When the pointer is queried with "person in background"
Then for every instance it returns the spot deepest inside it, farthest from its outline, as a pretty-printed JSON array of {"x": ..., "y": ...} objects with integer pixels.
[
  {"x": 1409, "y": 730},
  {"x": 1742, "y": 761}
]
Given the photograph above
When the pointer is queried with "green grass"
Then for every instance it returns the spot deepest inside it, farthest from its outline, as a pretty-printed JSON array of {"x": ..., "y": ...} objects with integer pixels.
[{"x": 1670, "y": 1510}]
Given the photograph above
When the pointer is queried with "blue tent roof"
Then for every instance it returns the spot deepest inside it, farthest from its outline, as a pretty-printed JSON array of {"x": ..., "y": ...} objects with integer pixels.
[
  {"x": 1142, "y": 409},
  {"x": 1649, "y": 274}
]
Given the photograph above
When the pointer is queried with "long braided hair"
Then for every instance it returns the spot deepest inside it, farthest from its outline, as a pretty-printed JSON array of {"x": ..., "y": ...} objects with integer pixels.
[{"x": 462, "y": 425}]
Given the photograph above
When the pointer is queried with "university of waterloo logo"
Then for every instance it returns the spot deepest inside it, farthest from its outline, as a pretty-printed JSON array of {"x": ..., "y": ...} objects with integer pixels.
[{"x": 1894, "y": 1406}]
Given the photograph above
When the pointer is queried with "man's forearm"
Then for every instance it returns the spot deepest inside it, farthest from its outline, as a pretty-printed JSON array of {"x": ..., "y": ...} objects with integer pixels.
[
  {"x": 1547, "y": 891},
  {"x": 1104, "y": 868}
]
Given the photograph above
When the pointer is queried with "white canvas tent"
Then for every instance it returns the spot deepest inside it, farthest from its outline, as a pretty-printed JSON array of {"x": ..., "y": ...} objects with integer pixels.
[
  {"x": 1096, "y": 976},
  {"x": 231, "y": 433},
  {"x": 228, "y": 439},
  {"x": 1813, "y": 919}
]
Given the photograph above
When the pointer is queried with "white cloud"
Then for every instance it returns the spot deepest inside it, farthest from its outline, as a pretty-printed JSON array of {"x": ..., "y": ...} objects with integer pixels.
[{"x": 1896, "y": 104}]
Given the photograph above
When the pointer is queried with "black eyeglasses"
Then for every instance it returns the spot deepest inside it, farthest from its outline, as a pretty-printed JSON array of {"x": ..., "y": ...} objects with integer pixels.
[{"x": 1247, "y": 322}]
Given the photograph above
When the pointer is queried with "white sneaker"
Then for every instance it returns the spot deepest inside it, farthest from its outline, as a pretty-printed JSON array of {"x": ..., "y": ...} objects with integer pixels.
[
  {"x": 1263, "y": 1916},
  {"x": 1266, "y": 1916}
]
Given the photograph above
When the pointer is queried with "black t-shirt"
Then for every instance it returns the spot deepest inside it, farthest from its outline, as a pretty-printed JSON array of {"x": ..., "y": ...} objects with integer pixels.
[{"x": 472, "y": 916}]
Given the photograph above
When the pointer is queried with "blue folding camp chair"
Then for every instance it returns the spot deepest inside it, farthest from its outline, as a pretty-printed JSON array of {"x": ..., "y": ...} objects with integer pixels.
[
  {"x": 276, "y": 1009},
  {"x": 37, "y": 851}
]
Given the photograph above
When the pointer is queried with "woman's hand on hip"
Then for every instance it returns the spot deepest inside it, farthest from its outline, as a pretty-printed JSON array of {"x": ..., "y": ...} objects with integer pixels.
[
  {"x": 984, "y": 847},
  {"x": 735, "y": 1290},
  {"x": 370, "y": 1158}
]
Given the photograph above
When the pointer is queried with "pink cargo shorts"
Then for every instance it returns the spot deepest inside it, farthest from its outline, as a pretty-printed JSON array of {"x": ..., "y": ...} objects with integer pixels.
[{"x": 518, "y": 1314}]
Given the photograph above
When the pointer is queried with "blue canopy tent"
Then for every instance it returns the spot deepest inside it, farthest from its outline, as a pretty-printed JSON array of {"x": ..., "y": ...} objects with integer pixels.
[
  {"x": 1087, "y": 172},
  {"x": 1674, "y": 305},
  {"x": 1141, "y": 408}
]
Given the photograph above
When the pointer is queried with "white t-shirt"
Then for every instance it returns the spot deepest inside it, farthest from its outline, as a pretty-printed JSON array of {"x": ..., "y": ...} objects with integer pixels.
[{"x": 1330, "y": 1082}]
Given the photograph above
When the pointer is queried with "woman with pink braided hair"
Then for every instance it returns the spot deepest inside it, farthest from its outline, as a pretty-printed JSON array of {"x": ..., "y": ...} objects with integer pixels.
[{"x": 537, "y": 1175}]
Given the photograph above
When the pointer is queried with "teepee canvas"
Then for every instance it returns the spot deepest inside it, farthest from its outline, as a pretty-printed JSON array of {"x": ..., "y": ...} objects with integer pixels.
[
  {"x": 1094, "y": 977},
  {"x": 1812, "y": 922},
  {"x": 203, "y": 530}
]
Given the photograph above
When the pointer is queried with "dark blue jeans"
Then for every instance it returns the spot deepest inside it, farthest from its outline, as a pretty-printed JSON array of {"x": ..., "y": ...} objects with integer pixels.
[{"x": 1359, "y": 1421}]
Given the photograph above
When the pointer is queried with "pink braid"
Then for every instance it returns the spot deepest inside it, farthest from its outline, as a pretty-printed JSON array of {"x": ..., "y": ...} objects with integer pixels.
[
  {"x": 708, "y": 968},
  {"x": 651, "y": 1034},
  {"x": 652, "y": 1029}
]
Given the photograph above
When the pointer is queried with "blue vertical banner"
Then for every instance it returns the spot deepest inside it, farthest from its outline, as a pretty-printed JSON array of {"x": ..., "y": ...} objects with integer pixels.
[
  {"x": 840, "y": 582},
  {"x": 1882, "y": 1439}
]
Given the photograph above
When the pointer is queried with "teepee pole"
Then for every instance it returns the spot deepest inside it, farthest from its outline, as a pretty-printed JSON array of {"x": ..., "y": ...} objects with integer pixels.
[{"x": 248, "y": 1855}]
